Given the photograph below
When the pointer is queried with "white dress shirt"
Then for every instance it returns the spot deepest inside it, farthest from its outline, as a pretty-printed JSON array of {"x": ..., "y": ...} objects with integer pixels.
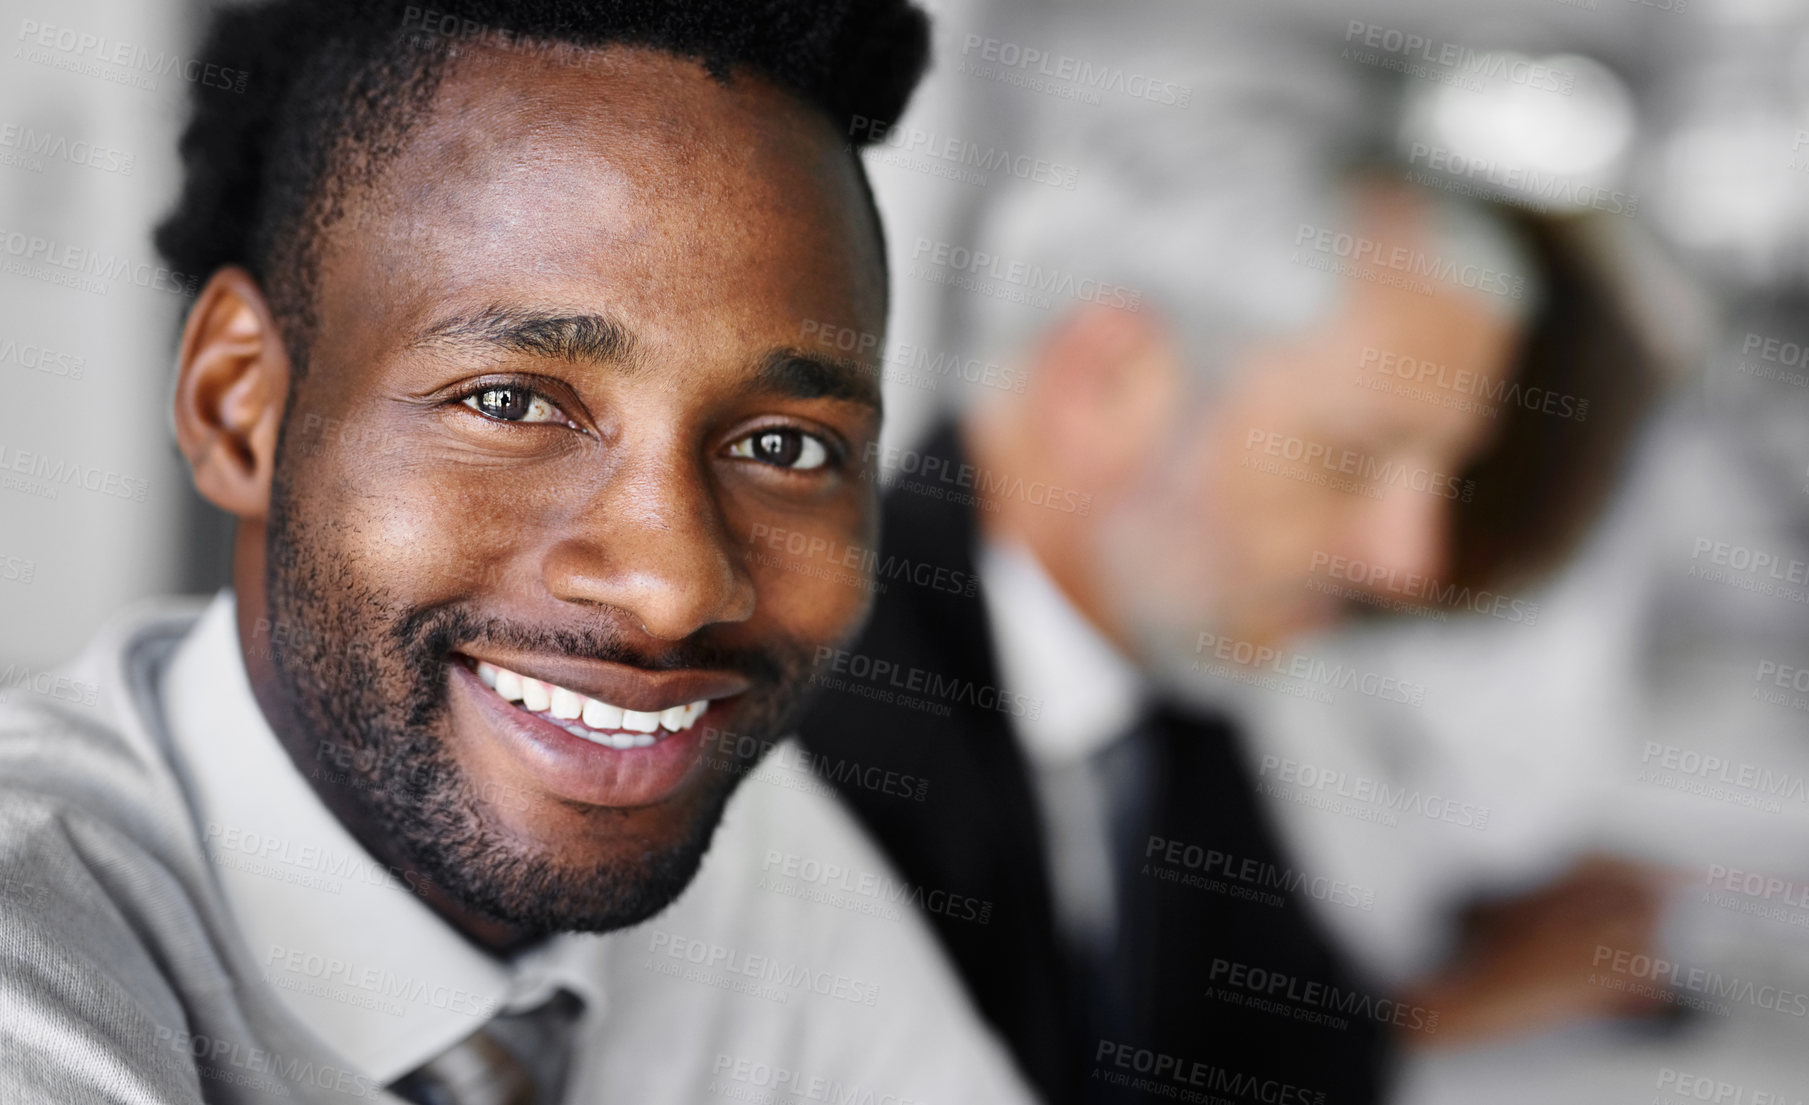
[
  {"x": 1088, "y": 696},
  {"x": 766, "y": 968}
]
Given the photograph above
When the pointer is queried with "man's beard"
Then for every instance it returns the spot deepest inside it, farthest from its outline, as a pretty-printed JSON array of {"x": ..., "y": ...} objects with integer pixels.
[{"x": 365, "y": 680}]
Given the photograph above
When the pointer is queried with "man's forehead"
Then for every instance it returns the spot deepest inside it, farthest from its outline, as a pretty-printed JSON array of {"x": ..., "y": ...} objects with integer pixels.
[
  {"x": 636, "y": 182},
  {"x": 653, "y": 116}
]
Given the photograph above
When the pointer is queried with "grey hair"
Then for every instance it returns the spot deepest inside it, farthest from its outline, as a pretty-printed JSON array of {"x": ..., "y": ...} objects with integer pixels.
[{"x": 1197, "y": 211}]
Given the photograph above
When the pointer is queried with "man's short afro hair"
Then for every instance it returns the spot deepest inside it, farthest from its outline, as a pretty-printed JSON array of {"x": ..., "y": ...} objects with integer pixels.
[{"x": 330, "y": 87}]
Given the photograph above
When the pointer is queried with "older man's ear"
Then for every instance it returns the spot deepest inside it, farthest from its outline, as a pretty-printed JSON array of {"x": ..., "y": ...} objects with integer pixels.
[
  {"x": 232, "y": 382},
  {"x": 1103, "y": 384}
]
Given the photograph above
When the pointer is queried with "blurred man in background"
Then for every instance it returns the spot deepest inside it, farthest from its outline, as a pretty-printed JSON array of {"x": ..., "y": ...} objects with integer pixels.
[{"x": 1268, "y": 388}]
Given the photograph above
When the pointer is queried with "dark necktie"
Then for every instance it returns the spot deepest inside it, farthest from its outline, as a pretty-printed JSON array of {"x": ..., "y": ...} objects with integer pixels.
[
  {"x": 1124, "y": 770},
  {"x": 515, "y": 1059}
]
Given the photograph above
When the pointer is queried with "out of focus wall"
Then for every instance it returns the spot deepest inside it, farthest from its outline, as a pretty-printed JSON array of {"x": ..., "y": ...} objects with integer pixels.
[{"x": 95, "y": 507}]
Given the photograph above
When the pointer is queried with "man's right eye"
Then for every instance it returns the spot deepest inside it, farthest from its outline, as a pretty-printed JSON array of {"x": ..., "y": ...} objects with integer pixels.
[{"x": 511, "y": 403}]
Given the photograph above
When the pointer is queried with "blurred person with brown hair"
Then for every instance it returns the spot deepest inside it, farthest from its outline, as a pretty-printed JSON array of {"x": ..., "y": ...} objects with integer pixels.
[{"x": 1224, "y": 395}]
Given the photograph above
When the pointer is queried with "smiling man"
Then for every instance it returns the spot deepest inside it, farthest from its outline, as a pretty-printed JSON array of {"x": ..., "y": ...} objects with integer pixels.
[{"x": 457, "y": 793}]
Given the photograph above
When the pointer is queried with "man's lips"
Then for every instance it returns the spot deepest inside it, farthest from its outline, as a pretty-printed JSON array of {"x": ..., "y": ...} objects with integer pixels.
[
  {"x": 565, "y": 757},
  {"x": 630, "y": 688}
]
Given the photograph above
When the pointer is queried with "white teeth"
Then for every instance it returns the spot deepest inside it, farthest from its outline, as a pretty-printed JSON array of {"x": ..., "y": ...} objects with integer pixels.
[
  {"x": 621, "y": 741},
  {"x": 567, "y": 705},
  {"x": 640, "y": 722},
  {"x": 508, "y": 685},
  {"x": 601, "y": 715},
  {"x": 604, "y": 724}
]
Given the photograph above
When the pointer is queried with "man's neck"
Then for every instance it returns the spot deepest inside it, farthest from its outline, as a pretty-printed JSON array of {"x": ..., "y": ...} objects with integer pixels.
[{"x": 1062, "y": 543}]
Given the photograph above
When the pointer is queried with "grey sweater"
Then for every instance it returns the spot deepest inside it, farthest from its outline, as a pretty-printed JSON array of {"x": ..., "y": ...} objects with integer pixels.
[
  {"x": 124, "y": 976},
  {"x": 119, "y": 978}
]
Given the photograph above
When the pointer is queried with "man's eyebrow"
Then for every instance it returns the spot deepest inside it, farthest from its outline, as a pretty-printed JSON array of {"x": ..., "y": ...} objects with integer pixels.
[
  {"x": 799, "y": 375},
  {"x": 572, "y": 337}
]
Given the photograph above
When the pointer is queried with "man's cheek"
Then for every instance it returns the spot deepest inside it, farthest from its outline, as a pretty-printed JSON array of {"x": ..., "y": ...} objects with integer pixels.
[
  {"x": 813, "y": 572},
  {"x": 813, "y": 602}
]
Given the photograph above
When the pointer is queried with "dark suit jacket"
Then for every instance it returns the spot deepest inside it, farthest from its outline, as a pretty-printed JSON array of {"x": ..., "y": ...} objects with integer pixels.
[{"x": 1227, "y": 996}]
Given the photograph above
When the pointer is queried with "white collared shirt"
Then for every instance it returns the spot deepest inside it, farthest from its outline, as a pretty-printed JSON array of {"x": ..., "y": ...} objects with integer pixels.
[
  {"x": 1087, "y": 695},
  {"x": 795, "y": 950}
]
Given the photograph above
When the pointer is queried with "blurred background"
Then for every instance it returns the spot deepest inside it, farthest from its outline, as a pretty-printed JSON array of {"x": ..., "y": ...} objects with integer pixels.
[{"x": 1653, "y": 717}]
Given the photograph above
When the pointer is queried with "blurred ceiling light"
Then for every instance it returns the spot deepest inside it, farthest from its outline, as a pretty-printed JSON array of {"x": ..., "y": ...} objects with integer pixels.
[
  {"x": 1547, "y": 132},
  {"x": 1726, "y": 188}
]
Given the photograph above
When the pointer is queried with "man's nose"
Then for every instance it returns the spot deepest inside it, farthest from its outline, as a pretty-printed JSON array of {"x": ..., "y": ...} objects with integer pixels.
[
  {"x": 1406, "y": 531},
  {"x": 653, "y": 545}
]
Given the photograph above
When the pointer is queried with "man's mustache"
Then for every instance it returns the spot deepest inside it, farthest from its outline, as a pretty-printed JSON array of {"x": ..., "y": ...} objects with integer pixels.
[{"x": 432, "y": 634}]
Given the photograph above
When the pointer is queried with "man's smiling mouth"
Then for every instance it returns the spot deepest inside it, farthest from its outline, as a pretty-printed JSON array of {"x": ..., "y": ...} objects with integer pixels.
[{"x": 584, "y": 716}]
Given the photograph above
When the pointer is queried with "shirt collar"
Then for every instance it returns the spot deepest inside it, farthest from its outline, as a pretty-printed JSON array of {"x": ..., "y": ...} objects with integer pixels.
[
  {"x": 351, "y": 951},
  {"x": 1088, "y": 694}
]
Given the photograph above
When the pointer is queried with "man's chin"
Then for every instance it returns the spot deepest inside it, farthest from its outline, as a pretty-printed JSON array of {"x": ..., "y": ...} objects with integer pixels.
[{"x": 538, "y": 885}]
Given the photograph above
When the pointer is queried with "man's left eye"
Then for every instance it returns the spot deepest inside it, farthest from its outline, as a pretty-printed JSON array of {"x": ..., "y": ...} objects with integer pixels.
[{"x": 782, "y": 448}]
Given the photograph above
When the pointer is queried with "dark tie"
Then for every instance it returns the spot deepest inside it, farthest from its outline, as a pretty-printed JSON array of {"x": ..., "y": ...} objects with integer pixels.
[
  {"x": 515, "y": 1059},
  {"x": 1125, "y": 771}
]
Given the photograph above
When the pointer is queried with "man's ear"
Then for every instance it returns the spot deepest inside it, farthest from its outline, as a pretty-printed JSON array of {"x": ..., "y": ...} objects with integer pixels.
[
  {"x": 232, "y": 382},
  {"x": 1106, "y": 379}
]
